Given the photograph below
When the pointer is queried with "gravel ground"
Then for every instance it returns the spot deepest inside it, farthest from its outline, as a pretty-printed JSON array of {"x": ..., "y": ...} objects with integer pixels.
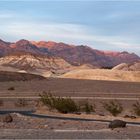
[
  {"x": 37, "y": 128},
  {"x": 45, "y": 134},
  {"x": 24, "y": 122}
]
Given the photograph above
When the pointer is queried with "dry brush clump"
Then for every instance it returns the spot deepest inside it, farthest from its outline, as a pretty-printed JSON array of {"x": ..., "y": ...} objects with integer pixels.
[
  {"x": 113, "y": 107},
  {"x": 64, "y": 105},
  {"x": 88, "y": 108},
  {"x": 21, "y": 103},
  {"x": 136, "y": 107}
]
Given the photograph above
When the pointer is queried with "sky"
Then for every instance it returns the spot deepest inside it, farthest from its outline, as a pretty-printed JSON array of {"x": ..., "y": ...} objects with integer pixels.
[{"x": 104, "y": 25}]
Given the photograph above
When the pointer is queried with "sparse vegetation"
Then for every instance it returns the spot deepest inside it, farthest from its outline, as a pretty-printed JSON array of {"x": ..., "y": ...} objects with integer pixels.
[
  {"x": 63, "y": 105},
  {"x": 21, "y": 103},
  {"x": 136, "y": 107},
  {"x": 11, "y": 88},
  {"x": 88, "y": 108},
  {"x": 113, "y": 107}
]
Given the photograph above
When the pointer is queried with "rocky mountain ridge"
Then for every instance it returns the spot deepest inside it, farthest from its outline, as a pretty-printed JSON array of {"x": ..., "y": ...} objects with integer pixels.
[{"x": 64, "y": 54}]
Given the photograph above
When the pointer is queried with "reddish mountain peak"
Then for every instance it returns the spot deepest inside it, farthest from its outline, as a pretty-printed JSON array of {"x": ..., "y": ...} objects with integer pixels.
[
  {"x": 64, "y": 44},
  {"x": 23, "y": 42},
  {"x": 51, "y": 44},
  {"x": 20, "y": 43},
  {"x": 48, "y": 44},
  {"x": 44, "y": 44},
  {"x": 4, "y": 44},
  {"x": 111, "y": 53},
  {"x": 25, "y": 46}
]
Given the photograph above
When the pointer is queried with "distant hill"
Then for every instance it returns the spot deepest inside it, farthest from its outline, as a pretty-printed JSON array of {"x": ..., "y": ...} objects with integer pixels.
[
  {"x": 35, "y": 64},
  {"x": 15, "y": 76},
  {"x": 103, "y": 74}
]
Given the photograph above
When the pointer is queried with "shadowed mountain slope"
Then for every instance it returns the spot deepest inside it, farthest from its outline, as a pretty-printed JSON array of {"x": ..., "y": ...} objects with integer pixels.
[{"x": 15, "y": 76}]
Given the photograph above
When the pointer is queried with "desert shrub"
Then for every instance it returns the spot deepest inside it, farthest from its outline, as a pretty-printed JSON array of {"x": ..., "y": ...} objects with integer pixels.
[
  {"x": 113, "y": 107},
  {"x": 136, "y": 107},
  {"x": 63, "y": 105},
  {"x": 88, "y": 108},
  {"x": 21, "y": 103},
  {"x": 11, "y": 88}
]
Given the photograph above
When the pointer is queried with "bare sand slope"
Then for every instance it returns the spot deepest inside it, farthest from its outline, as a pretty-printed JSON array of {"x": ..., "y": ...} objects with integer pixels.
[
  {"x": 128, "y": 67},
  {"x": 103, "y": 74}
]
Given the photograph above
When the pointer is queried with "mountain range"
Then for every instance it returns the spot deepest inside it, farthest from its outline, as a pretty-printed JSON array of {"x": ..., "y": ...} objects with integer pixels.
[
  {"x": 52, "y": 59},
  {"x": 72, "y": 54}
]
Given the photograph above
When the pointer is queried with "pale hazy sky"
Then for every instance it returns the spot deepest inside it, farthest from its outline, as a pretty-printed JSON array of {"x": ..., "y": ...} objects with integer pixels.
[{"x": 104, "y": 25}]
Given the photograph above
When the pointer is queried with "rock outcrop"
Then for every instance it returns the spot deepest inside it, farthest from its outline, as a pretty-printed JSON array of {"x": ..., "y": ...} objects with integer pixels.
[{"x": 117, "y": 124}]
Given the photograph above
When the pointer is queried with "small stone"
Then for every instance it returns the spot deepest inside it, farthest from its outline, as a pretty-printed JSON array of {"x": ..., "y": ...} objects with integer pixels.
[{"x": 7, "y": 118}]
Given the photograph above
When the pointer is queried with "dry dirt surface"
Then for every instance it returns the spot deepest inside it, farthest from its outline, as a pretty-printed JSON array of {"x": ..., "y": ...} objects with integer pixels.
[
  {"x": 68, "y": 87},
  {"x": 24, "y": 127},
  {"x": 35, "y": 128},
  {"x": 93, "y": 91},
  {"x": 103, "y": 74}
]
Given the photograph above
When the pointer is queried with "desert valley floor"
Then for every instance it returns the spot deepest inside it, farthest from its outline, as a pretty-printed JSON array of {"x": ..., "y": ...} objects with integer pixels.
[{"x": 94, "y": 91}]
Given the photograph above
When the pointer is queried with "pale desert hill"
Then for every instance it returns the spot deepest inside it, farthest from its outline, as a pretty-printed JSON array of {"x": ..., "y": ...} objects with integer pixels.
[
  {"x": 38, "y": 64},
  {"x": 128, "y": 67},
  {"x": 103, "y": 74},
  {"x": 35, "y": 64}
]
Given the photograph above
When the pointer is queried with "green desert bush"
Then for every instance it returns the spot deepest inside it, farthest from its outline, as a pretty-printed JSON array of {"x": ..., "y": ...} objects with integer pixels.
[
  {"x": 63, "y": 105},
  {"x": 136, "y": 107},
  {"x": 88, "y": 108},
  {"x": 113, "y": 107}
]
